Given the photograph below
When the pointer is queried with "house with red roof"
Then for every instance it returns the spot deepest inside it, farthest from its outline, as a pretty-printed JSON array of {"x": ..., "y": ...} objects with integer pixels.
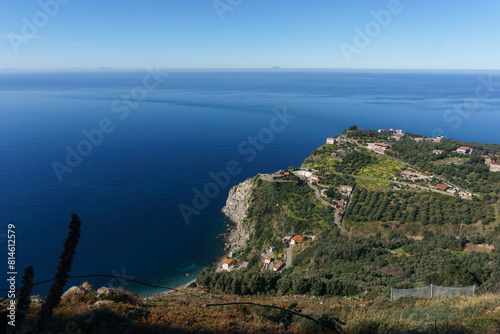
[
  {"x": 464, "y": 150},
  {"x": 279, "y": 266},
  {"x": 296, "y": 240},
  {"x": 441, "y": 187},
  {"x": 226, "y": 265}
]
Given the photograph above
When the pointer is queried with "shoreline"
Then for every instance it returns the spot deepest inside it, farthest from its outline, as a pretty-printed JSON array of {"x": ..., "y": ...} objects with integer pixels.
[{"x": 177, "y": 289}]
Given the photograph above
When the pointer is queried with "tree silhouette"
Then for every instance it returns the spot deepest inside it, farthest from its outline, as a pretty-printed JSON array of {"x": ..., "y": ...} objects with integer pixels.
[
  {"x": 62, "y": 274},
  {"x": 24, "y": 297}
]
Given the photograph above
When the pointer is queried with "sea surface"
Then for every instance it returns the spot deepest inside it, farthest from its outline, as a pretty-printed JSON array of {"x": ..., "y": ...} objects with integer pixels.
[{"x": 164, "y": 136}]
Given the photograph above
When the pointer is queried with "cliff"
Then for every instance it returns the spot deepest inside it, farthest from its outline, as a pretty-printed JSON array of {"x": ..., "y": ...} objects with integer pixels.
[{"x": 236, "y": 209}]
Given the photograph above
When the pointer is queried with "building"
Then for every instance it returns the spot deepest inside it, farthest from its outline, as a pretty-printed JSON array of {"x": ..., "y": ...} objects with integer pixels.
[
  {"x": 267, "y": 259},
  {"x": 340, "y": 204},
  {"x": 408, "y": 175},
  {"x": 465, "y": 194},
  {"x": 226, "y": 265},
  {"x": 451, "y": 191},
  {"x": 314, "y": 178},
  {"x": 399, "y": 136},
  {"x": 391, "y": 131},
  {"x": 331, "y": 141},
  {"x": 420, "y": 139},
  {"x": 495, "y": 167},
  {"x": 296, "y": 240},
  {"x": 345, "y": 189},
  {"x": 442, "y": 187},
  {"x": 464, "y": 150},
  {"x": 379, "y": 147},
  {"x": 279, "y": 266},
  {"x": 438, "y": 151}
]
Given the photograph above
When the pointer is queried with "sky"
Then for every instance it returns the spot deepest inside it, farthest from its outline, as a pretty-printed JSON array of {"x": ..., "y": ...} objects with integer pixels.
[{"x": 336, "y": 34}]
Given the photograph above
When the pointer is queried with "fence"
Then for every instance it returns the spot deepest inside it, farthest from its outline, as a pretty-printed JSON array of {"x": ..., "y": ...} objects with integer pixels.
[{"x": 433, "y": 291}]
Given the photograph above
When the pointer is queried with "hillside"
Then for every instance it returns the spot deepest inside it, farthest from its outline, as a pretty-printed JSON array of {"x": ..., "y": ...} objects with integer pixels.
[
  {"x": 372, "y": 210},
  {"x": 189, "y": 311}
]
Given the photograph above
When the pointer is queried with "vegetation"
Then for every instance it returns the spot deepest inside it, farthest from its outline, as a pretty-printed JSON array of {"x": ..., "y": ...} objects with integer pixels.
[
  {"x": 61, "y": 277},
  {"x": 410, "y": 207},
  {"x": 402, "y": 236},
  {"x": 190, "y": 310}
]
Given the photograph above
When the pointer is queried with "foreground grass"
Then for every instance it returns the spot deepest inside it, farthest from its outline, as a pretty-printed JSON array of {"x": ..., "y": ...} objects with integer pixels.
[{"x": 186, "y": 311}]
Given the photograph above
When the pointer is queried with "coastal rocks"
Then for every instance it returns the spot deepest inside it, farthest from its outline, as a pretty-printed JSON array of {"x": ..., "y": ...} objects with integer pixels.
[
  {"x": 106, "y": 293},
  {"x": 238, "y": 201},
  {"x": 102, "y": 303},
  {"x": 236, "y": 209},
  {"x": 73, "y": 291}
]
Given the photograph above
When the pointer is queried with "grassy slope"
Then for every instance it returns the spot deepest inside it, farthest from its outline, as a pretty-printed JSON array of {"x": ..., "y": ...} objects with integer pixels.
[{"x": 185, "y": 311}]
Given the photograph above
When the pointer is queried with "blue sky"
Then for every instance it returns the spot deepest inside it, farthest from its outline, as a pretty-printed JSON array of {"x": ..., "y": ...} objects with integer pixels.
[{"x": 420, "y": 34}]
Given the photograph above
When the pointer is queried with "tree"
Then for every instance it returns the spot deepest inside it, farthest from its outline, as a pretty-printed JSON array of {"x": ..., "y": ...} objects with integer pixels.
[
  {"x": 352, "y": 127},
  {"x": 24, "y": 297},
  {"x": 62, "y": 274}
]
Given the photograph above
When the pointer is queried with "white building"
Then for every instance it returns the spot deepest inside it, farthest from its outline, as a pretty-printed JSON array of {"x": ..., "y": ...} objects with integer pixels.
[
  {"x": 226, "y": 265},
  {"x": 331, "y": 141},
  {"x": 464, "y": 150},
  {"x": 495, "y": 167}
]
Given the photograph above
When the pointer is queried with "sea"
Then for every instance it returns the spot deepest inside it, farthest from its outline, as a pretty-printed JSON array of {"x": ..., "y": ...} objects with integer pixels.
[{"x": 146, "y": 158}]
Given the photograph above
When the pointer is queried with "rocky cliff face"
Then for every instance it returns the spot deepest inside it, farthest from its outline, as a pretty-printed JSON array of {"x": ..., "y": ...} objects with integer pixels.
[{"x": 236, "y": 209}]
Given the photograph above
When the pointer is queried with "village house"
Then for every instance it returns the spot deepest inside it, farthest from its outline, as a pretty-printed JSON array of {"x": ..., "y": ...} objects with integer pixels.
[
  {"x": 464, "y": 150},
  {"x": 331, "y": 141},
  {"x": 267, "y": 259},
  {"x": 438, "y": 151},
  {"x": 391, "y": 131},
  {"x": 399, "y": 136},
  {"x": 340, "y": 204},
  {"x": 279, "y": 266},
  {"x": 495, "y": 167},
  {"x": 345, "y": 189},
  {"x": 296, "y": 240},
  {"x": 420, "y": 139},
  {"x": 435, "y": 140},
  {"x": 379, "y": 147},
  {"x": 465, "y": 194},
  {"x": 408, "y": 175},
  {"x": 442, "y": 187},
  {"x": 226, "y": 265},
  {"x": 314, "y": 178}
]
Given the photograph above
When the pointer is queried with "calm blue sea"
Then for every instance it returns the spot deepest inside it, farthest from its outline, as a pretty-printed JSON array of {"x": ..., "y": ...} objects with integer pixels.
[{"x": 127, "y": 190}]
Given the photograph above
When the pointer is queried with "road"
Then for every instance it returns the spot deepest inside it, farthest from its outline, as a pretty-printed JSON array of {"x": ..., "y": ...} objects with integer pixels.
[
  {"x": 409, "y": 165},
  {"x": 411, "y": 185},
  {"x": 288, "y": 256},
  {"x": 337, "y": 216}
]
